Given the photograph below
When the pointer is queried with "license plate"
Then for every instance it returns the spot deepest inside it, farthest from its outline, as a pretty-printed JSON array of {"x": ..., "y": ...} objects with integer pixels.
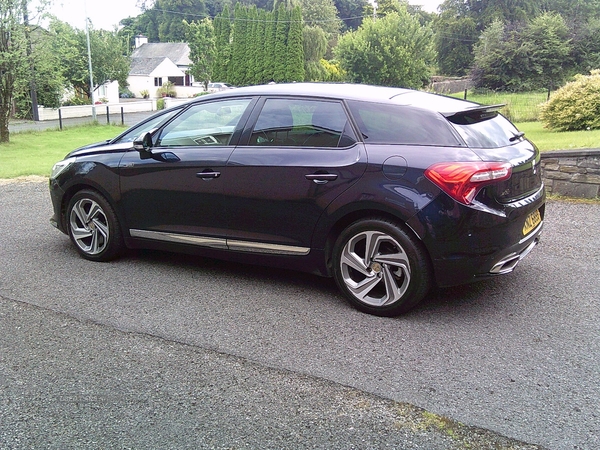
[{"x": 532, "y": 221}]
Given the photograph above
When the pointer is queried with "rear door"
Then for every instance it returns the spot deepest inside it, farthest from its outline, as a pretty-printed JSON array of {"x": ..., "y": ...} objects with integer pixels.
[{"x": 296, "y": 158}]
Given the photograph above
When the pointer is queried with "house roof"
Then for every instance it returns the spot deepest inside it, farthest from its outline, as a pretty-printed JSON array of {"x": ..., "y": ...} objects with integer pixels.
[
  {"x": 144, "y": 66},
  {"x": 147, "y": 67},
  {"x": 179, "y": 53}
]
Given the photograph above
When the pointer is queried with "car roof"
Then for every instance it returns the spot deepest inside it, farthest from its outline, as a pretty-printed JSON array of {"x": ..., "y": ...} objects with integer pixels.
[{"x": 361, "y": 92}]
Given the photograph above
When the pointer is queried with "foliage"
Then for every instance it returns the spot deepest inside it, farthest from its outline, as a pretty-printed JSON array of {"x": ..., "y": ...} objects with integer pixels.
[
  {"x": 315, "y": 47},
  {"x": 264, "y": 46},
  {"x": 201, "y": 39},
  {"x": 454, "y": 38},
  {"x": 392, "y": 51},
  {"x": 332, "y": 71},
  {"x": 109, "y": 62},
  {"x": 166, "y": 90},
  {"x": 295, "y": 47},
  {"x": 160, "y": 104},
  {"x": 351, "y": 12},
  {"x": 522, "y": 57},
  {"x": 321, "y": 13},
  {"x": 13, "y": 58},
  {"x": 576, "y": 106},
  {"x": 222, "y": 27},
  {"x": 163, "y": 22}
]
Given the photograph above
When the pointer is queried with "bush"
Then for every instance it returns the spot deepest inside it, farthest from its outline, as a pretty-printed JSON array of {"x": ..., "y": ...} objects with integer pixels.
[
  {"x": 160, "y": 104},
  {"x": 575, "y": 106},
  {"x": 166, "y": 90}
]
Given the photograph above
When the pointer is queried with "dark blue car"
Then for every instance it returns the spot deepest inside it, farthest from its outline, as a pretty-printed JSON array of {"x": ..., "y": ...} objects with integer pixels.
[{"x": 391, "y": 191}]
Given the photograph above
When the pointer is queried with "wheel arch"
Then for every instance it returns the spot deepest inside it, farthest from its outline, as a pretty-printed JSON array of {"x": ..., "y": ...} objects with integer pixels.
[
  {"x": 82, "y": 185},
  {"x": 351, "y": 217}
]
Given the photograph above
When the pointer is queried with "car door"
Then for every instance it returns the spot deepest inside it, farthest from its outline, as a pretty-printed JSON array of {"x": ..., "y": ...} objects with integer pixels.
[
  {"x": 300, "y": 154},
  {"x": 174, "y": 191}
]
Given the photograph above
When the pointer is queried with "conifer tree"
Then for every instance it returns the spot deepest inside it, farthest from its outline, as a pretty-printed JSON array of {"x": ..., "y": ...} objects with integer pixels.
[
  {"x": 295, "y": 53},
  {"x": 281, "y": 34}
]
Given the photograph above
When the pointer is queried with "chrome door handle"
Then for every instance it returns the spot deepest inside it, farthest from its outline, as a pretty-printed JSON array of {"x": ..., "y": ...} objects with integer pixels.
[
  {"x": 208, "y": 175},
  {"x": 321, "y": 178}
]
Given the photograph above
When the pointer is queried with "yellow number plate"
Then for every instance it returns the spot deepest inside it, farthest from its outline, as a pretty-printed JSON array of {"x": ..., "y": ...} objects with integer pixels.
[{"x": 532, "y": 221}]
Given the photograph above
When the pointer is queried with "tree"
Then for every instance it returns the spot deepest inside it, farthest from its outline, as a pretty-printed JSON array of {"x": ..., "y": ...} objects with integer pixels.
[
  {"x": 519, "y": 57},
  {"x": 203, "y": 50},
  {"x": 454, "y": 39},
  {"x": 351, "y": 12},
  {"x": 295, "y": 50},
  {"x": 109, "y": 62},
  {"x": 315, "y": 47},
  {"x": 281, "y": 35},
  {"x": 222, "y": 25},
  {"x": 13, "y": 58},
  {"x": 321, "y": 13},
  {"x": 392, "y": 51}
]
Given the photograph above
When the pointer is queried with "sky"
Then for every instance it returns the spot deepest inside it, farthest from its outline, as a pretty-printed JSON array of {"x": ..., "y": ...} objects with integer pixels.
[{"x": 106, "y": 14}]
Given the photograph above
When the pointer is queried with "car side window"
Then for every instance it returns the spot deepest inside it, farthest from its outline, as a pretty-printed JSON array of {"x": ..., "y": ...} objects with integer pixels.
[
  {"x": 396, "y": 124},
  {"x": 207, "y": 123},
  {"x": 302, "y": 123}
]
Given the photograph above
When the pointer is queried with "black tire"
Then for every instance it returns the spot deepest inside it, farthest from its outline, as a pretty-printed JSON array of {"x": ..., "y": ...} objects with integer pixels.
[
  {"x": 93, "y": 227},
  {"x": 380, "y": 268}
]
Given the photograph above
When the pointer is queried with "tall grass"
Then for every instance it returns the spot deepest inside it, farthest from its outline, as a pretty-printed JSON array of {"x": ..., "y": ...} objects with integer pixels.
[{"x": 521, "y": 107}]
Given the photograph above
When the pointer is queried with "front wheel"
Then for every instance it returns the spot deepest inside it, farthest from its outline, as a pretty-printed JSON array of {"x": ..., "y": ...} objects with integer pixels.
[
  {"x": 380, "y": 268},
  {"x": 94, "y": 227}
]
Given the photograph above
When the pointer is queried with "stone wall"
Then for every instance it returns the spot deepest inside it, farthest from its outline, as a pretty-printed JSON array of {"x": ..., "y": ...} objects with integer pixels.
[{"x": 572, "y": 173}]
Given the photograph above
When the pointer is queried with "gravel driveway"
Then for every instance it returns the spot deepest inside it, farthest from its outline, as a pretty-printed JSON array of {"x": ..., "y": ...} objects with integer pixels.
[{"x": 192, "y": 351}]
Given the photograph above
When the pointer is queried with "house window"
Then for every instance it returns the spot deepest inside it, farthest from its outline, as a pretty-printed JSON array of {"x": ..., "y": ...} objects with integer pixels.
[
  {"x": 177, "y": 81},
  {"x": 157, "y": 81}
]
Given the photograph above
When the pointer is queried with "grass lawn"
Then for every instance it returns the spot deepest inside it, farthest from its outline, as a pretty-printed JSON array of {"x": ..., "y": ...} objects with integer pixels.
[
  {"x": 553, "y": 140},
  {"x": 34, "y": 153}
]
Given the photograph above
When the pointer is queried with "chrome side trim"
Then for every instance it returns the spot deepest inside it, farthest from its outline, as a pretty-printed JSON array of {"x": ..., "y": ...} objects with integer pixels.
[
  {"x": 201, "y": 241},
  {"x": 261, "y": 247},
  {"x": 223, "y": 244}
]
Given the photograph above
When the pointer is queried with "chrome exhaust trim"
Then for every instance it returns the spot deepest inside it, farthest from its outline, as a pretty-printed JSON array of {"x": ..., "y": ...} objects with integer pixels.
[{"x": 509, "y": 262}]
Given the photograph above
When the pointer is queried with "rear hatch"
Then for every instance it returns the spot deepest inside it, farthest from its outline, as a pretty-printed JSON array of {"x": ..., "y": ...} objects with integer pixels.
[{"x": 493, "y": 138}]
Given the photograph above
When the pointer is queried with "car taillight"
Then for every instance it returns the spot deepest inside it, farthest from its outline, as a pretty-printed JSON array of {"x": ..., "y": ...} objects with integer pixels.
[{"x": 463, "y": 180}]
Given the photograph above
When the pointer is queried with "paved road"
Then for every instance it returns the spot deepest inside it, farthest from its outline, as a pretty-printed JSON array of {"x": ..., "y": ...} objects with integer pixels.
[{"x": 517, "y": 355}]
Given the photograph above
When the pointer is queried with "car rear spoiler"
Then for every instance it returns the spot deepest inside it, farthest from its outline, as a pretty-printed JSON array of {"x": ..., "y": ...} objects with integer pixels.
[{"x": 474, "y": 115}]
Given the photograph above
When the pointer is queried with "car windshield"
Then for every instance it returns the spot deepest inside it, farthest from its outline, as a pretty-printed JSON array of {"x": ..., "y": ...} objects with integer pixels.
[{"x": 144, "y": 127}]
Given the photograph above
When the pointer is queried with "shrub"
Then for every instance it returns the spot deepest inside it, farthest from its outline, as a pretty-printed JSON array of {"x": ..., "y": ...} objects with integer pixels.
[
  {"x": 575, "y": 106},
  {"x": 160, "y": 104},
  {"x": 166, "y": 90}
]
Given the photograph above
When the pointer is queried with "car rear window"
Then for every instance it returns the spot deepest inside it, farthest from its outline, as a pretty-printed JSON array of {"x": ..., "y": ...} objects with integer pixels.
[
  {"x": 485, "y": 130},
  {"x": 398, "y": 124}
]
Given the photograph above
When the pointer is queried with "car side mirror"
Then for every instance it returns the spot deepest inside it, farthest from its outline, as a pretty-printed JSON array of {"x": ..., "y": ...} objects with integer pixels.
[{"x": 143, "y": 143}]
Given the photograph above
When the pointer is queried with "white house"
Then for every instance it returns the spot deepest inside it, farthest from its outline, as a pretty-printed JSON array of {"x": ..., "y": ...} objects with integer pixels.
[{"x": 152, "y": 65}]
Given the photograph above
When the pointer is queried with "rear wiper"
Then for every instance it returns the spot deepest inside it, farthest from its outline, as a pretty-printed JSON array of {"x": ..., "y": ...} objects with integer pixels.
[{"x": 517, "y": 136}]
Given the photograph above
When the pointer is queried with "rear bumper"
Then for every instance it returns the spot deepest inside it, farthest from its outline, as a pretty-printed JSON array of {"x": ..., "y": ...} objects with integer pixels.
[{"x": 466, "y": 245}]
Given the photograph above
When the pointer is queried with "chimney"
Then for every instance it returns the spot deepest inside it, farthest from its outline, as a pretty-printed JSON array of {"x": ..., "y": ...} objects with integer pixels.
[{"x": 140, "y": 40}]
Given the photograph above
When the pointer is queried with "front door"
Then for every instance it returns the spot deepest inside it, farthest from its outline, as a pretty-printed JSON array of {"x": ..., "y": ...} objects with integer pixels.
[{"x": 175, "y": 192}]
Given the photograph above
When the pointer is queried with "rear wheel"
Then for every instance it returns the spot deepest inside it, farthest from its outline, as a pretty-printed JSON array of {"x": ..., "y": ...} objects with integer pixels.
[
  {"x": 380, "y": 268},
  {"x": 94, "y": 227}
]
